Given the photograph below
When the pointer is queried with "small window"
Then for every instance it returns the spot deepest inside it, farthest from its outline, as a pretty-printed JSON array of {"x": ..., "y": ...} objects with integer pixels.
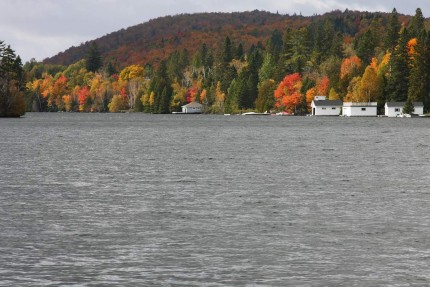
[
  {"x": 323, "y": 108},
  {"x": 397, "y": 110},
  {"x": 363, "y": 109},
  {"x": 333, "y": 108}
]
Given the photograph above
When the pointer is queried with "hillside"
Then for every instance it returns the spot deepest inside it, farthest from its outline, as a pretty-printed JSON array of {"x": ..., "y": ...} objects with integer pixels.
[
  {"x": 234, "y": 62},
  {"x": 158, "y": 38}
]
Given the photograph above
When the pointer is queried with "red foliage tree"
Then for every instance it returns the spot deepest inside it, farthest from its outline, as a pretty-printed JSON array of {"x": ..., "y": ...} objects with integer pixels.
[
  {"x": 83, "y": 94},
  {"x": 287, "y": 95}
]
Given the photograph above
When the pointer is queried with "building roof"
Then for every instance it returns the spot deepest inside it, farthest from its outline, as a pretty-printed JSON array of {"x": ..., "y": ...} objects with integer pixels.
[
  {"x": 193, "y": 105},
  {"x": 402, "y": 104},
  {"x": 363, "y": 104},
  {"x": 328, "y": 103}
]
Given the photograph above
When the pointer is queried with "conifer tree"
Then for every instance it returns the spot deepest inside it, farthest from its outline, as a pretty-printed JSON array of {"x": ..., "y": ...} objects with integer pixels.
[
  {"x": 408, "y": 108},
  {"x": 161, "y": 87},
  {"x": 393, "y": 31},
  {"x": 419, "y": 82},
  {"x": 11, "y": 83},
  {"x": 398, "y": 81},
  {"x": 416, "y": 24},
  {"x": 93, "y": 58}
]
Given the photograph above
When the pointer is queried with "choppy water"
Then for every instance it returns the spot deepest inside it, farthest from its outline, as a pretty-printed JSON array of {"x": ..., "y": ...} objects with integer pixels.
[{"x": 147, "y": 200}]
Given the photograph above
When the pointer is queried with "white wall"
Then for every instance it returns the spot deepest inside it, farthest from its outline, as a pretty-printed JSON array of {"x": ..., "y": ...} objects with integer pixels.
[
  {"x": 189, "y": 110},
  {"x": 398, "y": 111},
  {"x": 358, "y": 111},
  {"x": 419, "y": 110},
  {"x": 327, "y": 111},
  {"x": 393, "y": 111}
]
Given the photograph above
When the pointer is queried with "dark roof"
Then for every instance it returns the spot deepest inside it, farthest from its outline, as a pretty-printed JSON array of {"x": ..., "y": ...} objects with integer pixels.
[
  {"x": 327, "y": 103},
  {"x": 401, "y": 104}
]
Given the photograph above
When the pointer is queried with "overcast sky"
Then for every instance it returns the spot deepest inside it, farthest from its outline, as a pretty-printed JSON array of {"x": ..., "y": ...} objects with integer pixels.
[{"x": 42, "y": 28}]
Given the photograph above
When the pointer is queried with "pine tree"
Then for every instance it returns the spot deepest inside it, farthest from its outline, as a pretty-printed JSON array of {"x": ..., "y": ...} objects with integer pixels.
[
  {"x": 393, "y": 31},
  {"x": 366, "y": 47},
  {"x": 419, "y": 82},
  {"x": 274, "y": 45},
  {"x": 416, "y": 24},
  {"x": 93, "y": 58},
  {"x": 398, "y": 81},
  {"x": 161, "y": 87},
  {"x": 11, "y": 83},
  {"x": 408, "y": 108}
]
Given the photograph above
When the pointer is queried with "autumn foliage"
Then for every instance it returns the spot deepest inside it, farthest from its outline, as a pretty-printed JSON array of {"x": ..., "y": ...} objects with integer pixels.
[
  {"x": 287, "y": 95},
  {"x": 232, "y": 63}
]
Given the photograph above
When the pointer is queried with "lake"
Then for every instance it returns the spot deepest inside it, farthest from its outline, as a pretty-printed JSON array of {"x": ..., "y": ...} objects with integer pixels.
[{"x": 201, "y": 200}]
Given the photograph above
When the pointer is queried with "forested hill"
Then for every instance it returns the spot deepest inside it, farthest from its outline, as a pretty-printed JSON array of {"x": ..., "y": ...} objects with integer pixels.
[
  {"x": 233, "y": 62},
  {"x": 150, "y": 42}
]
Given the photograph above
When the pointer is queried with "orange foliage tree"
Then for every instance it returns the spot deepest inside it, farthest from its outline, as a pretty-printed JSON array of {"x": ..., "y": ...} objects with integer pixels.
[
  {"x": 287, "y": 95},
  {"x": 322, "y": 86},
  {"x": 349, "y": 66},
  {"x": 83, "y": 95}
]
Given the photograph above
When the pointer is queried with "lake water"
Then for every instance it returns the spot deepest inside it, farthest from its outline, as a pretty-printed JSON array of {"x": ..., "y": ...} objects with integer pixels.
[{"x": 175, "y": 200}]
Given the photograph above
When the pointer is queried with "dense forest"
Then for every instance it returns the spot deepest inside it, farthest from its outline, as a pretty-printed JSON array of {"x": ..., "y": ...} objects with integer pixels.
[
  {"x": 12, "y": 83},
  {"x": 233, "y": 62}
]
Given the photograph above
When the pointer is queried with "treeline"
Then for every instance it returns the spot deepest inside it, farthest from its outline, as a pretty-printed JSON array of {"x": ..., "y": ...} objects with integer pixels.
[
  {"x": 376, "y": 58},
  {"x": 12, "y": 83}
]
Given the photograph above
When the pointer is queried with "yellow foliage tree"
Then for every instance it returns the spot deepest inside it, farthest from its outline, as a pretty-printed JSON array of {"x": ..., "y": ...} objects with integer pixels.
[
  {"x": 333, "y": 95},
  {"x": 68, "y": 101},
  {"x": 118, "y": 103},
  {"x": 218, "y": 106}
]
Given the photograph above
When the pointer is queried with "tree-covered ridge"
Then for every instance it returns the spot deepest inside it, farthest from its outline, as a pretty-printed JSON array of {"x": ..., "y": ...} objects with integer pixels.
[{"x": 353, "y": 56}]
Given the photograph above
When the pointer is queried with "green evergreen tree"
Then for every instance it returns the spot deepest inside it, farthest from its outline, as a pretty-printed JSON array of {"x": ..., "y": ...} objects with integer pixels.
[
  {"x": 336, "y": 49},
  {"x": 327, "y": 39},
  {"x": 366, "y": 47},
  {"x": 110, "y": 69},
  {"x": 419, "y": 81},
  {"x": 265, "y": 100},
  {"x": 393, "y": 30},
  {"x": 93, "y": 58},
  {"x": 239, "y": 52},
  {"x": 227, "y": 51},
  {"x": 302, "y": 107},
  {"x": 164, "y": 102},
  {"x": 408, "y": 108},
  {"x": 416, "y": 24},
  {"x": 162, "y": 89},
  {"x": 298, "y": 52},
  {"x": 267, "y": 69},
  {"x": 274, "y": 45},
  {"x": 398, "y": 81},
  {"x": 12, "y": 102},
  {"x": 281, "y": 68},
  {"x": 138, "y": 105}
]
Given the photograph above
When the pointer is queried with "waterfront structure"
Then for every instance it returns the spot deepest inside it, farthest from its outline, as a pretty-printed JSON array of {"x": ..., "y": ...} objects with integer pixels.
[
  {"x": 395, "y": 109},
  {"x": 192, "y": 108},
  {"x": 322, "y": 107},
  {"x": 365, "y": 109}
]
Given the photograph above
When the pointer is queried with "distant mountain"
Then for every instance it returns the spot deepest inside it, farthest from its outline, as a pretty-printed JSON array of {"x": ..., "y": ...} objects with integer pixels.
[{"x": 156, "y": 39}]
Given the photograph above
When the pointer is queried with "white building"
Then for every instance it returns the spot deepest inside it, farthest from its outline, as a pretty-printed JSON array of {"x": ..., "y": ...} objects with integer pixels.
[
  {"x": 322, "y": 107},
  {"x": 192, "y": 108},
  {"x": 369, "y": 109},
  {"x": 395, "y": 109}
]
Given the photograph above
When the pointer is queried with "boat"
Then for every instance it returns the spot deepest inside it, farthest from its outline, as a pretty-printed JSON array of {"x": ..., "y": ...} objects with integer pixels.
[
  {"x": 283, "y": 114},
  {"x": 256, "y": 114}
]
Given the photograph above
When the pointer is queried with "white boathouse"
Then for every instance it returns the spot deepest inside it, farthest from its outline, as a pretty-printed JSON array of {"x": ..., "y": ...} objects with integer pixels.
[
  {"x": 322, "y": 107},
  {"x": 192, "y": 108},
  {"x": 395, "y": 109},
  {"x": 366, "y": 109}
]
